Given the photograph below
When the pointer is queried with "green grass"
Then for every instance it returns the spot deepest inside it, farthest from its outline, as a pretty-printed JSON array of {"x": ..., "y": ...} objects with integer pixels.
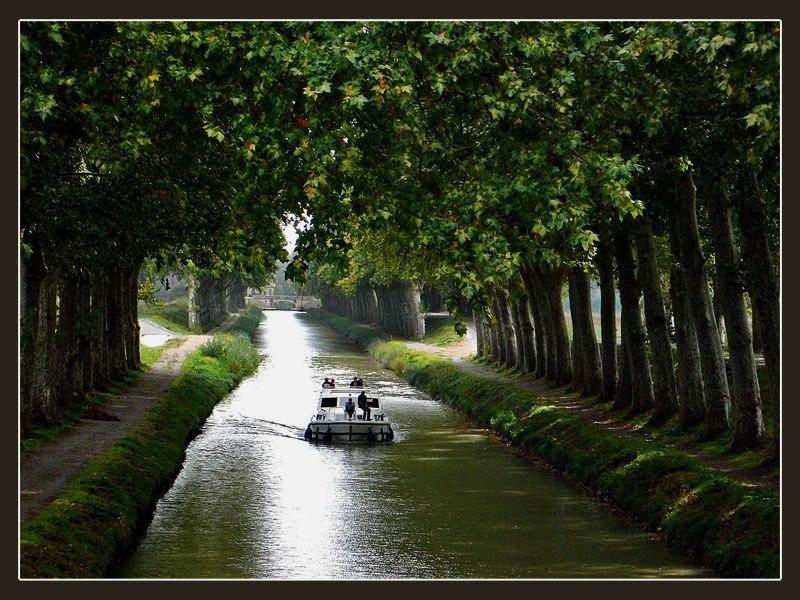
[
  {"x": 248, "y": 322},
  {"x": 89, "y": 527},
  {"x": 150, "y": 354},
  {"x": 709, "y": 517},
  {"x": 439, "y": 331},
  {"x": 174, "y": 315}
]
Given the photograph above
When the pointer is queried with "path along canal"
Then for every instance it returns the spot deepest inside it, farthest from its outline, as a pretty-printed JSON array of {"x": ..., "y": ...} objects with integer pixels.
[{"x": 444, "y": 500}]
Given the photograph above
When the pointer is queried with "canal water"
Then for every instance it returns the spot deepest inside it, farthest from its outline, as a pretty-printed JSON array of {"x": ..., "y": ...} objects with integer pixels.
[{"x": 444, "y": 500}]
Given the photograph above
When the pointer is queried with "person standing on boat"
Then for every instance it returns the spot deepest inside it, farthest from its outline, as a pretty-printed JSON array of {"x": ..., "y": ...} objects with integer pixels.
[
  {"x": 350, "y": 408},
  {"x": 363, "y": 405},
  {"x": 354, "y": 383},
  {"x": 360, "y": 382},
  {"x": 327, "y": 383}
]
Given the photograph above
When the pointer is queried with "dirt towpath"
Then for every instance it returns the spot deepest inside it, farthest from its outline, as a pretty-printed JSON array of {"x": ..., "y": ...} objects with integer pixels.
[
  {"x": 45, "y": 472},
  {"x": 459, "y": 351}
]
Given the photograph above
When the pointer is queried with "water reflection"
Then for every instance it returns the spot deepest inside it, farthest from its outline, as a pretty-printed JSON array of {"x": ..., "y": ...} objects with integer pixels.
[{"x": 444, "y": 500}]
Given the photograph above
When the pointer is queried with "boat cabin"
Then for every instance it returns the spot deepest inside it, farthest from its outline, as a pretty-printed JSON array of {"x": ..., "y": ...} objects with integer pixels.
[{"x": 332, "y": 402}]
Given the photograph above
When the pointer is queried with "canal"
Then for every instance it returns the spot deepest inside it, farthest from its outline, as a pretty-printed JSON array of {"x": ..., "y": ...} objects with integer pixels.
[{"x": 444, "y": 500}]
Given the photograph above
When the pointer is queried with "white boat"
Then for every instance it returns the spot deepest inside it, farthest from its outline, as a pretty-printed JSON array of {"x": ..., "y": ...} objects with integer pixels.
[{"x": 331, "y": 423}]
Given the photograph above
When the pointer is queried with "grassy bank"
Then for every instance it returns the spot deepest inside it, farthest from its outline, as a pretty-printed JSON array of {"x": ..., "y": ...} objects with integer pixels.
[
  {"x": 174, "y": 315},
  {"x": 89, "y": 527},
  {"x": 247, "y": 322},
  {"x": 707, "y": 516},
  {"x": 440, "y": 330}
]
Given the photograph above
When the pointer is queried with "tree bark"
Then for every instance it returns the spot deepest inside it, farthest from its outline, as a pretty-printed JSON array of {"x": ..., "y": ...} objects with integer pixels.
[
  {"x": 69, "y": 372},
  {"x": 577, "y": 335},
  {"x": 716, "y": 303},
  {"x": 763, "y": 286},
  {"x": 399, "y": 310},
  {"x": 500, "y": 331},
  {"x": 32, "y": 277},
  {"x": 623, "y": 399},
  {"x": 629, "y": 291},
  {"x": 366, "y": 304},
  {"x": 528, "y": 335},
  {"x": 758, "y": 344},
  {"x": 712, "y": 361},
  {"x": 608, "y": 320},
  {"x": 691, "y": 404},
  {"x": 86, "y": 329},
  {"x": 116, "y": 321},
  {"x": 552, "y": 284},
  {"x": 664, "y": 391},
  {"x": 480, "y": 339},
  {"x": 540, "y": 329},
  {"x": 517, "y": 361},
  {"x": 131, "y": 291},
  {"x": 747, "y": 424},
  {"x": 494, "y": 337},
  {"x": 236, "y": 293},
  {"x": 589, "y": 354}
]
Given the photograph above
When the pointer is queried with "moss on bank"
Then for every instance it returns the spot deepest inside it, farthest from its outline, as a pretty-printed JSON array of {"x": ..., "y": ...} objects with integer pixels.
[
  {"x": 711, "y": 518},
  {"x": 89, "y": 527}
]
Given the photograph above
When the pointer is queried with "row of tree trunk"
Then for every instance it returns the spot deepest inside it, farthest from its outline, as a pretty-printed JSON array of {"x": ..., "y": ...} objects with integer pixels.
[
  {"x": 212, "y": 299},
  {"x": 79, "y": 330},
  {"x": 394, "y": 309},
  {"x": 524, "y": 327}
]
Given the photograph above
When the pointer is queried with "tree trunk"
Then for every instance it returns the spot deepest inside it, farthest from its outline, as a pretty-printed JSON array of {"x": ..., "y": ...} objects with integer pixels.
[
  {"x": 131, "y": 291},
  {"x": 236, "y": 293},
  {"x": 528, "y": 335},
  {"x": 509, "y": 336},
  {"x": 716, "y": 303},
  {"x": 540, "y": 329},
  {"x": 623, "y": 398},
  {"x": 399, "y": 310},
  {"x": 86, "y": 329},
  {"x": 116, "y": 325},
  {"x": 691, "y": 404},
  {"x": 763, "y": 287},
  {"x": 102, "y": 363},
  {"x": 494, "y": 337},
  {"x": 502, "y": 330},
  {"x": 70, "y": 370},
  {"x": 712, "y": 361},
  {"x": 590, "y": 357},
  {"x": 515, "y": 322},
  {"x": 552, "y": 284},
  {"x": 758, "y": 343},
  {"x": 664, "y": 392},
  {"x": 747, "y": 424},
  {"x": 608, "y": 320},
  {"x": 31, "y": 279},
  {"x": 366, "y": 304},
  {"x": 480, "y": 340},
  {"x": 577, "y": 335},
  {"x": 629, "y": 291}
]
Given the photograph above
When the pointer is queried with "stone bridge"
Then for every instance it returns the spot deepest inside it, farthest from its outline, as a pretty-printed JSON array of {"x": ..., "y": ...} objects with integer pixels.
[{"x": 268, "y": 300}]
